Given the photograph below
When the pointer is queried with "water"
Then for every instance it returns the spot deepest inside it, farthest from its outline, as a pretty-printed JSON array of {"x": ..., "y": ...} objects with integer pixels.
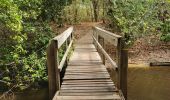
[
  {"x": 41, "y": 94},
  {"x": 144, "y": 83},
  {"x": 149, "y": 83}
]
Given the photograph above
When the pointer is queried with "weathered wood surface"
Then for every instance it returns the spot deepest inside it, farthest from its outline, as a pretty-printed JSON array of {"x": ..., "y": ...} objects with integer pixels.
[
  {"x": 86, "y": 78},
  {"x": 53, "y": 64},
  {"x": 53, "y": 72},
  {"x": 62, "y": 37}
]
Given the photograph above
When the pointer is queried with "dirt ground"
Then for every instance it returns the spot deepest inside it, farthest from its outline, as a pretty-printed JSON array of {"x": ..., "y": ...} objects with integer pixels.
[{"x": 143, "y": 51}]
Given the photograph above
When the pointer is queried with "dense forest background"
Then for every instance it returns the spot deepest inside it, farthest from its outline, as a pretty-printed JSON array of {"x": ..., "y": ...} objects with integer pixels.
[{"x": 26, "y": 26}]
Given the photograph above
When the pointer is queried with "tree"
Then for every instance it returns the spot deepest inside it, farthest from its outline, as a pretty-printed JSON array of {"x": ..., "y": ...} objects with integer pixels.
[{"x": 95, "y": 4}]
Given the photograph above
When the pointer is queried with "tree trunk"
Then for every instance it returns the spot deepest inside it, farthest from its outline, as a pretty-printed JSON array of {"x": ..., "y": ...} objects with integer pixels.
[
  {"x": 103, "y": 11},
  {"x": 91, "y": 10},
  {"x": 95, "y": 9},
  {"x": 75, "y": 8}
]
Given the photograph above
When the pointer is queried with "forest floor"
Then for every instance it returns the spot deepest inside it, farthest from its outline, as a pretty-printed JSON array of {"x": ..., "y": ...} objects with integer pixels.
[{"x": 144, "y": 50}]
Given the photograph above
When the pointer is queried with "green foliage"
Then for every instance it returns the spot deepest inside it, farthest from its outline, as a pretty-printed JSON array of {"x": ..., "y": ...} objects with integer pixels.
[
  {"x": 28, "y": 66},
  {"x": 135, "y": 18},
  {"x": 10, "y": 15},
  {"x": 71, "y": 13},
  {"x": 52, "y": 10},
  {"x": 166, "y": 31},
  {"x": 30, "y": 9},
  {"x": 164, "y": 16},
  {"x": 24, "y": 38},
  {"x": 81, "y": 11},
  {"x": 38, "y": 34}
]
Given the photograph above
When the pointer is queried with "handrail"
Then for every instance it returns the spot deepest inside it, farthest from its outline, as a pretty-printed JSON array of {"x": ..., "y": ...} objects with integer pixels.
[
  {"x": 109, "y": 36},
  {"x": 99, "y": 37},
  {"x": 106, "y": 55},
  {"x": 65, "y": 56},
  {"x": 62, "y": 37},
  {"x": 53, "y": 64},
  {"x": 107, "y": 32}
]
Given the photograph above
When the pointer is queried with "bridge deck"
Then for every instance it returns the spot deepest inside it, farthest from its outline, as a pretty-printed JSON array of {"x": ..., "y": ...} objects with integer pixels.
[{"x": 86, "y": 78}]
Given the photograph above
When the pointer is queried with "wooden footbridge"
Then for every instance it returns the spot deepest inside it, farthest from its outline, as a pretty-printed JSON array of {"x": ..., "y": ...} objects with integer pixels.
[{"x": 84, "y": 76}]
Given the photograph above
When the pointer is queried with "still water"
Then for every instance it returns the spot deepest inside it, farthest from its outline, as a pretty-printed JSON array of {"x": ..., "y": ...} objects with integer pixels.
[
  {"x": 144, "y": 83},
  {"x": 33, "y": 95},
  {"x": 148, "y": 83}
]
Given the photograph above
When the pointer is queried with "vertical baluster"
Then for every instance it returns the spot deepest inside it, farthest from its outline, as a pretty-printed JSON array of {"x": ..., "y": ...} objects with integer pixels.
[{"x": 101, "y": 41}]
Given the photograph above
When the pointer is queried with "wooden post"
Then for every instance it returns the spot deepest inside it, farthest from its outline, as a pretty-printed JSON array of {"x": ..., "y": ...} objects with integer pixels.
[
  {"x": 101, "y": 41},
  {"x": 122, "y": 60},
  {"x": 53, "y": 72},
  {"x": 95, "y": 35},
  {"x": 67, "y": 43},
  {"x": 57, "y": 70},
  {"x": 124, "y": 68}
]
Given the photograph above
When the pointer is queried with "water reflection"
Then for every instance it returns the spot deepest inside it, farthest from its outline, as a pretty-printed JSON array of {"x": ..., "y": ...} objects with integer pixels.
[
  {"x": 33, "y": 95},
  {"x": 148, "y": 83}
]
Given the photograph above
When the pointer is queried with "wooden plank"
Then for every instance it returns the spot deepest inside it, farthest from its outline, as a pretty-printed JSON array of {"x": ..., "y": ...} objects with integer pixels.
[
  {"x": 87, "y": 82},
  {"x": 86, "y": 77},
  {"x": 88, "y": 85},
  {"x": 90, "y": 67},
  {"x": 88, "y": 88},
  {"x": 106, "y": 97},
  {"x": 98, "y": 64},
  {"x": 87, "y": 66},
  {"x": 86, "y": 94},
  {"x": 86, "y": 69},
  {"x": 95, "y": 80},
  {"x": 82, "y": 73},
  {"x": 62, "y": 37},
  {"x": 86, "y": 91},
  {"x": 89, "y": 74},
  {"x": 84, "y": 62}
]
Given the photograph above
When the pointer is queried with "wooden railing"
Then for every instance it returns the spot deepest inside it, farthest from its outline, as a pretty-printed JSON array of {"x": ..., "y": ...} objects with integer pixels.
[
  {"x": 53, "y": 64},
  {"x": 100, "y": 36}
]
